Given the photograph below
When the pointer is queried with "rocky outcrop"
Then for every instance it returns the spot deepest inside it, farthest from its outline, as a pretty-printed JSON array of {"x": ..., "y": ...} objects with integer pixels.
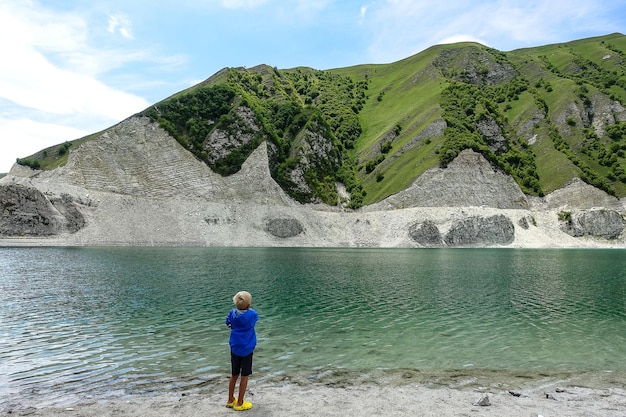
[
  {"x": 600, "y": 223},
  {"x": 284, "y": 227},
  {"x": 315, "y": 153},
  {"x": 481, "y": 231},
  {"x": 25, "y": 211},
  {"x": 426, "y": 234},
  {"x": 135, "y": 157},
  {"x": 605, "y": 112},
  {"x": 241, "y": 132},
  {"x": 69, "y": 209},
  {"x": 469, "y": 180},
  {"x": 470, "y": 231},
  {"x": 577, "y": 195},
  {"x": 480, "y": 67},
  {"x": 140, "y": 159},
  {"x": 492, "y": 132},
  {"x": 135, "y": 185},
  {"x": 526, "y": 221}
]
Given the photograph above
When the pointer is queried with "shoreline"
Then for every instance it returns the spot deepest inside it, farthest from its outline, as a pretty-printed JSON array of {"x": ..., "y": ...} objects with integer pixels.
[
  {"x": 65, "y": 242},
  {"x": 318, "y": 399},
  {"x": 384, "y": 393}
]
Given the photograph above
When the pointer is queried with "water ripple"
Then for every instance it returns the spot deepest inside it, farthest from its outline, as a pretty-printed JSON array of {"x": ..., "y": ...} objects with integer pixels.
[{"x": 137, "y": 321}]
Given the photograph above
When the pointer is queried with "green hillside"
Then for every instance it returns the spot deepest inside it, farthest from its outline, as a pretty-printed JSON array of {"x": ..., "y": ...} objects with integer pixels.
[{"x": 543, "y": 115}]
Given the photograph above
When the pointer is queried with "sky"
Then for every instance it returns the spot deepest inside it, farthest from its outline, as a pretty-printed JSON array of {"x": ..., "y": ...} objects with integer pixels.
[{"x": 74, "y": 67}]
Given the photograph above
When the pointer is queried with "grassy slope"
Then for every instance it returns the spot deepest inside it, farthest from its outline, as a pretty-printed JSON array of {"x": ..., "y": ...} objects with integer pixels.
[
  {"x": 556, "y": 65},
  {"x": 411, "y": 100},
  {"x": 405, "y": 96},
  {"x": 553, "y": 167}
]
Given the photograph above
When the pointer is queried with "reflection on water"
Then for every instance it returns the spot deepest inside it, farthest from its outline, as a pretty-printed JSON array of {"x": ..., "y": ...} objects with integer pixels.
[{"x": 98, "y": 322}]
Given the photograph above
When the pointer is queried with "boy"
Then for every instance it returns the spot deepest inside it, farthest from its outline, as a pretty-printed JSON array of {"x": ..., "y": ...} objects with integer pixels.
[{"x": 241, "y": 321}]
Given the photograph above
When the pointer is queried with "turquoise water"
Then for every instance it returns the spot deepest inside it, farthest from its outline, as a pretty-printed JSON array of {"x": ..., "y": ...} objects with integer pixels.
[{"x": 85, "y": 323}]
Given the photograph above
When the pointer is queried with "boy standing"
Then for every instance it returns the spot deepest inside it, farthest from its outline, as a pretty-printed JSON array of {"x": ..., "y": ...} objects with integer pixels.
[{"x": 241, "y": 321}]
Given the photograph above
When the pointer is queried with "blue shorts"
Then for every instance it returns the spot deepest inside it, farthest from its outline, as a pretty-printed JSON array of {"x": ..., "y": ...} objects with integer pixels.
[{"x": 241, "y": 364}]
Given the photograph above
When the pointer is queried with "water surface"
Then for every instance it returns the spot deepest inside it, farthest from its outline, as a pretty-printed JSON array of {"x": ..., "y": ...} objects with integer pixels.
[{"x": 85, "y": 323}]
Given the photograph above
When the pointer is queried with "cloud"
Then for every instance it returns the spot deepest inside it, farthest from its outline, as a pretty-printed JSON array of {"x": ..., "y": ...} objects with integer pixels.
[
  {"x": 51, "y": 67},
  {"x": 242, "y": 4},
  {"x": 362, "y": 13},
  {"x": 32, "y": 81},
  {"x": 540, "y": 22},
  {"x": 51, "y": 79},
  {"x": 462, "y": 38},
  {"x": 399, "y": 28},
  {"x": 120, "y": 24},
  {"x": 21, "y": 137}
]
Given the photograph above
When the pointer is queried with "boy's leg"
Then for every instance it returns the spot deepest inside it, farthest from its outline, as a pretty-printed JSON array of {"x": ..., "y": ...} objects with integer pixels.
[
  {"x": 235, "y": 365},
  {"x": 231, "y": 388},
  {"x": 246, "y": 370},
  {"x": 243, "y": 384}
]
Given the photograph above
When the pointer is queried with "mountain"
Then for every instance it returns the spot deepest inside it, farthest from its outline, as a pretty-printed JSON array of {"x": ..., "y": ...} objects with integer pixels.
[{"x": 459, "y": 125}]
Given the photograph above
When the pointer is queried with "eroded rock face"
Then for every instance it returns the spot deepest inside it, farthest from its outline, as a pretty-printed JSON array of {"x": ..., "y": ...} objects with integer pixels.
[
  {"x": 143, "y": 180},
  {"x": 469, "y": 180},
  {"x": 580, "y": 195},
  {"x": 471, "y": 231},
  {"x": 479, "y": 67},
  {"x": 526, "y": 221},
  {"x": 66, "y": 207},
  {"x": 426, "y": 234},
  {"x": 602, "y": 223},
  {"x": 284, "y": 227},
  {"x": 315, "y": 151},
  {"x": 481, "y": 231},
  {"x": 222, "y": 143},
  {"x": 492, "y": 132},
  {"x": 26, "y": 211},
  {"x": 605, "y": 112}
]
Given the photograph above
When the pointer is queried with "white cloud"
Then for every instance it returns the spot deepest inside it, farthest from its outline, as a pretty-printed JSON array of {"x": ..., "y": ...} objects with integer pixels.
[
  {"x": 362, "y": 13},
  {"x": 399, "y": 28},
  {"x": 293, "y": 5},
  {"x": 541, "y": 22},
  {"x": 239, "y": 4},
  {"x": 51, "y": 72},
  {"x": 20, "y": 138},
  {"x": 462, "y": 38},
  {"x": 30, "y": 80},
  {"x": 120, "y": 24},
  {"x": 52, "y": 68}
]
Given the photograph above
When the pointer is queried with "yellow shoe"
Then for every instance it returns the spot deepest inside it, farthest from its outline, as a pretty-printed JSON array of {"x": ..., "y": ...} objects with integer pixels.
[
  {"x": 233, "y": 404},
  {"x": 245, "y": 406}
]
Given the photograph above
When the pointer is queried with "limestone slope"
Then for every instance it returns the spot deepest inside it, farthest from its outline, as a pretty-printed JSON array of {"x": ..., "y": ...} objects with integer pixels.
[{"x": 135, "y": 185}]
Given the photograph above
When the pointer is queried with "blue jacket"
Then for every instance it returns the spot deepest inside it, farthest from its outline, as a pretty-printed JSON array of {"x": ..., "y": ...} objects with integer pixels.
[{"x": 242, "y": 334}]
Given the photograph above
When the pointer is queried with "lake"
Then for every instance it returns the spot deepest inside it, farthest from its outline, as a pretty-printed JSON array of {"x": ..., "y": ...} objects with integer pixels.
[{"x": 80, "y": 324}]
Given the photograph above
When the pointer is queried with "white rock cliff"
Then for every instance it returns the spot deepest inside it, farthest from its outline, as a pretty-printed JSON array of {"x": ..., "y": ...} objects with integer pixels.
[{"x": 135, "y": 185}]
